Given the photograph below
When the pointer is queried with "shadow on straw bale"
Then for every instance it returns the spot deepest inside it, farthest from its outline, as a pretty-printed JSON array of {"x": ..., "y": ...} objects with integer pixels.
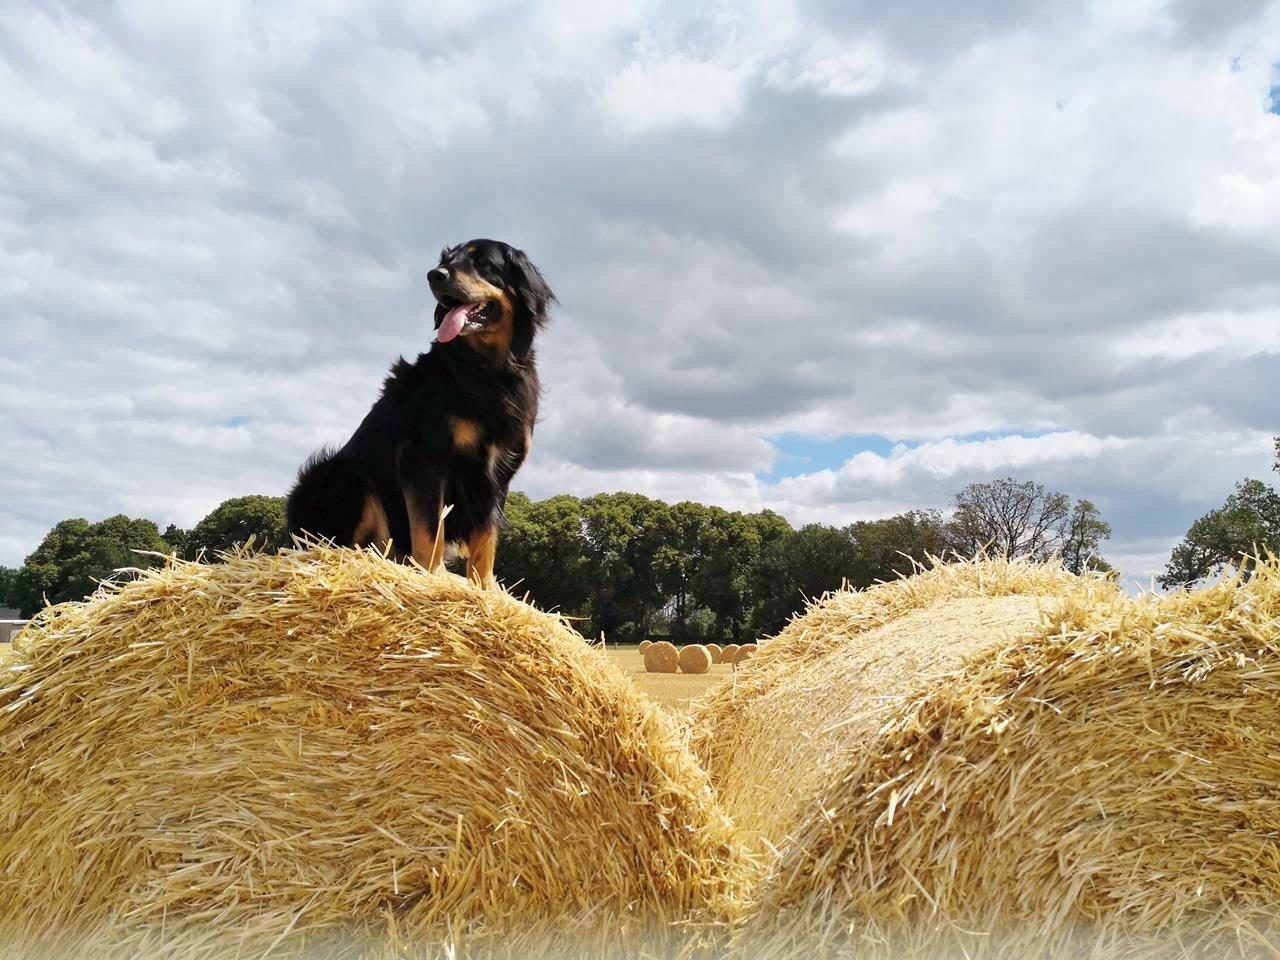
[
  {"x": 327, "y": 753},
  {"x": 1024, "y": 764}
]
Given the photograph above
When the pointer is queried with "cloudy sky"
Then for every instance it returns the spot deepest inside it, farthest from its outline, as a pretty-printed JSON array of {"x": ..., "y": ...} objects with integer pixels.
[{"x": 834, "y": 258}]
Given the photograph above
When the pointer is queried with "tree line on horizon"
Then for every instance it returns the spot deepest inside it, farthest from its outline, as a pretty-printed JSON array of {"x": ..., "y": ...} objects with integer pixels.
[
  {"x": 624, "y": 564},
  {"x": 630, "y": 566}
]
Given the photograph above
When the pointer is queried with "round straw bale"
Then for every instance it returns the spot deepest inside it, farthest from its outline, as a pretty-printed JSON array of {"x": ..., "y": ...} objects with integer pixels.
[
  {"x": 695, "y": 658},
  {"x": 282, "y": 752},
  {"x": 996, "y": 774},
  {"x": 645, "y": 645},
  {"x": 661, "y": 657},
  {"x": 728, "y": 652},
  {"x": 715, "y": 650},
  {"x": 745, "y": 653}
]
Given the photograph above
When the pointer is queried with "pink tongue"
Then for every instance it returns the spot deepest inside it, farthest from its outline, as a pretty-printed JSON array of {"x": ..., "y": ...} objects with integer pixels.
[{"x": 452, "y": 323}]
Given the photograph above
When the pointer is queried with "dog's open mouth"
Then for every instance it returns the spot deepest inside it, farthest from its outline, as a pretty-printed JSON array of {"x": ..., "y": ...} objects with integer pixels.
[{"x": 460, "y": 319}]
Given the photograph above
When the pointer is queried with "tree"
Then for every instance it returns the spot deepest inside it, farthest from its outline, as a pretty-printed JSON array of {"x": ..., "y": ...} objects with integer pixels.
[
  {"x": 883, "y": 549},
  {"x": 818, "y": 558},
  {"x": 7, "y": 577},
  {"x": 233, "y": 522},
  {"x": 623, "y": 533},
  {"x": 727, "y": 547},
  {"x": 1012, "y": 518},
  {"x": 772, "y": 596},
  {"x": 176, "y": 538},
  {"x": 1085, "y": 529},
  {"x": 542, "y": 551},
  {"x": 76, "y": 554},
  {"x": 678, "y": 559},
  {"x": 1248, "y": 522}
]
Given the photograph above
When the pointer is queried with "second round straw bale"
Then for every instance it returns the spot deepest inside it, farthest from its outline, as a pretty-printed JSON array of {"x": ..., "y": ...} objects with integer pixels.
[
  {"x": 1092, "y": 779},
  {"x": 695, "y": 658},
  {"x": 661, "y": 657}
]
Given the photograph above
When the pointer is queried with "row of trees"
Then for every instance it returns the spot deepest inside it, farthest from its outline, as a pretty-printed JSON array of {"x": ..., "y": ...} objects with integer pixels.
[
  {"x": 76, "y": 554},
  {"x": 626, "y": 564},
  {"x": 632, "y": 566}
]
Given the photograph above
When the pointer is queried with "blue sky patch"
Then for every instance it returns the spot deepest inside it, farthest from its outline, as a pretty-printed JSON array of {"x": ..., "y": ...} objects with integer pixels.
[
  {"x": 1275, "y": 89},
  {"x": 237, "y": 421},
  {"x": 799, "y": 454}
]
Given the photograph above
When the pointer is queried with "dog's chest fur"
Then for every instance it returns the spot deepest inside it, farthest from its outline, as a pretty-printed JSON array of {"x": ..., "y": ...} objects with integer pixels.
[{"x": 467, "y": 411}]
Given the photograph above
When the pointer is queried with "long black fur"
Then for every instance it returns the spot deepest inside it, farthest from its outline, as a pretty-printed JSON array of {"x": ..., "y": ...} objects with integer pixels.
[{"x": 405, "y": 447}]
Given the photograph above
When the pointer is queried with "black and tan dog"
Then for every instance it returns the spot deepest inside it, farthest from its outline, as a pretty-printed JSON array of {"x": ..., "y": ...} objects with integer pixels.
[{"x": 450, "y": 430}]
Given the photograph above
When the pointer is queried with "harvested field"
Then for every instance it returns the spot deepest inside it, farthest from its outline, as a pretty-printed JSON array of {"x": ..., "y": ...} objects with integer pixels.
[
  {"x": 326, "y": 750},
  {"x": 673, "y": 691}
]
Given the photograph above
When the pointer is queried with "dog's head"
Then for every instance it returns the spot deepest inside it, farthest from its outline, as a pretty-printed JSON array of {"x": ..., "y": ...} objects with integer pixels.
[{"x": 490, "y": 297}]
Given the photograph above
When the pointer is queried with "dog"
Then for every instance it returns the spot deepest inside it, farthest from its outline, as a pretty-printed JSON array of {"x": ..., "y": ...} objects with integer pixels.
[{"x": 449, "y": 431}]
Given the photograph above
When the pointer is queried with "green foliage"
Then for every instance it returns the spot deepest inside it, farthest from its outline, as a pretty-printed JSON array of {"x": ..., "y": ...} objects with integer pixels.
[
  {"x": 541, "y": 551},
  {"x": 818, "y": 558},
  {"x": 232, "y": 523},
  {"x": 1248, "y": 522},
  {"x": 631, "y": 566},
  {"x": 1084, "y": 531},
  {"x": 624, "y": 534},
  {"x": 885, "y": 549},
  {"x": 7, "y": 577},
  {"x": 176, "y": 538},
  {"x": 76, "y": 554}
]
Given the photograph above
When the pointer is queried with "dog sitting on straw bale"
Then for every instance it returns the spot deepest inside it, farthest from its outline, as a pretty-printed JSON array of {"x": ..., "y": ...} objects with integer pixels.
[{"x": 431, "y": 463}]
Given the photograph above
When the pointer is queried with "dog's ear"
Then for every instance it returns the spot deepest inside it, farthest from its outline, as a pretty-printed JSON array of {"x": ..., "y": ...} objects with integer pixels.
[{"x": 530, "y": 287}]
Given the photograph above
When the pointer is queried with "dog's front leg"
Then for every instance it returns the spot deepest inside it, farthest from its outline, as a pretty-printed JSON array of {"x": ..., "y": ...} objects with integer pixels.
[
  {"x": 482, "y": 547},
  {"x": 426, "y": 529}
]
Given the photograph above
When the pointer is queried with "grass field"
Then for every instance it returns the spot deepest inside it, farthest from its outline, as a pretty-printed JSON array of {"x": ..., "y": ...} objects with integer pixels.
[{"x": 674, "y": 691}]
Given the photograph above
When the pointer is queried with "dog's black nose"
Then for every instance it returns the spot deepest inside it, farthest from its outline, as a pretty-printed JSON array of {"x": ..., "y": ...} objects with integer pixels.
[{"x": 438, "y": 275}]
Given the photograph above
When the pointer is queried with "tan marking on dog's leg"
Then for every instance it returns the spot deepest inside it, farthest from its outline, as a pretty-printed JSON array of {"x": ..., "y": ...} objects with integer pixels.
[
  {"x": 428, "y": 540},
  {"x": 482, "y": 549},
  {"x": 373, "y": 528}
]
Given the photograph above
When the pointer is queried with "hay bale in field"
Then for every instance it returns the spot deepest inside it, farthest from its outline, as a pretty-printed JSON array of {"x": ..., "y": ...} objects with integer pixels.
[
  {"x": 283, "y": 753},
  {"x": 998, "y": 759},
  {"x": 661, "y": 657},
  {"x": 695, "y": 658},
  {"x": 745, "y": 653},
  {"x": 645, "y": 645},
  {"x": 828, "y": 668},
  {"x": 715, "y": 650},
  {"x": 729, "y": 651}
]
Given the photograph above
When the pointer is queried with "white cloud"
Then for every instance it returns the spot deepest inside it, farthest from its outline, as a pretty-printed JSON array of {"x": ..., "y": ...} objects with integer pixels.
[
  {"x": 1236, "y": 334},
  {"x": 823, "y": 218},
  {"x": 673, "y": 91}
]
